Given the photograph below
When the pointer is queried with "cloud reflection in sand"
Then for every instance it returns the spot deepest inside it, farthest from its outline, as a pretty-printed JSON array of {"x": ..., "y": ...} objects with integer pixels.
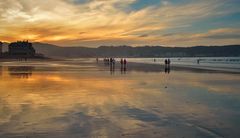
[{"x": 90, "y": 103}]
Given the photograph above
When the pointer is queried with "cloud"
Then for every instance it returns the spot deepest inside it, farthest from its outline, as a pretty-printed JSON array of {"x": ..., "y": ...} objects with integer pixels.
[
  {"x": 102, "y": 21},
  {"x": 222, "y": 33},
  {"x": 144, "y": 35},
  {"x": 220, "y": 36}
]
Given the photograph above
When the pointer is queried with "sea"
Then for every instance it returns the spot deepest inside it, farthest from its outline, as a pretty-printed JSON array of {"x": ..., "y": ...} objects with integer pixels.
[{"x": 214, "y": 63}]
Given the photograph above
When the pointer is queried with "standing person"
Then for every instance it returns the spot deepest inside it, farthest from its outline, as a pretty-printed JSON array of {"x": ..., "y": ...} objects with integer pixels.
[
  {"x": 121, "y": 61},
  {"x": 105, "y": 61},
  {"x": 125, "y": 65},
  {"x": 169, "y": 62},
  {"x": 166, "y": 62},
  {"x": 113, "y": 61},
  {"x": 108, "y": 61},
  {"x": 125, "y": 62}
]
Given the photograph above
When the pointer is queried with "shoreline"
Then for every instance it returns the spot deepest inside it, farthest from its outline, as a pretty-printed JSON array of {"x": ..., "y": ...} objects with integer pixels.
[
  {"x": 142, "y": 67},
  {"x": 148, "y": 67},
  {"x": 193, "y": 68}
]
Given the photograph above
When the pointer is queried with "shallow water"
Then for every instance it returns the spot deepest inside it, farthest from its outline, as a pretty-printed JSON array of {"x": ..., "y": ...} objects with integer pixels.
[
  {"x": 71, "y": 99},
  {"x": 214, "y": 63}
]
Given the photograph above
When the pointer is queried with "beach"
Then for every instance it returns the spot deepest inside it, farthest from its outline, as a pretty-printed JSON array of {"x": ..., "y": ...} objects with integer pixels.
[{"x": 86, "y": 98}]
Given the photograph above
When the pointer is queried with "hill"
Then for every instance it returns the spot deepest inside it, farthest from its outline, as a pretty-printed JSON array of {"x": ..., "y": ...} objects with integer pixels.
[
  {"x": 128, "y": 51},
  {"x": 146, "y": 51}
]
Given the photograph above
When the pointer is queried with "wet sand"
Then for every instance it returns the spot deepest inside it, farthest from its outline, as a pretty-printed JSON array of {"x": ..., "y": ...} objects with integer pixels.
[{"x": 71, "y": 99}]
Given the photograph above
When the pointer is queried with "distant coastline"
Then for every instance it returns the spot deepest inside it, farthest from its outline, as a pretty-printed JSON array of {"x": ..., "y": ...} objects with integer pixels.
[
  {"x": 137, "y": 52},
  {"x": 54, "y": 51}
]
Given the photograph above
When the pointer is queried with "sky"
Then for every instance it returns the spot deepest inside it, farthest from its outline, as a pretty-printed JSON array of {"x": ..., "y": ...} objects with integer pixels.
[{"x": 94, "y": 23}]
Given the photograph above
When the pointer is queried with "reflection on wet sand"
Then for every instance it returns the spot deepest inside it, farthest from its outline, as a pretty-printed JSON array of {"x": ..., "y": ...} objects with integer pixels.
[
  {"x": 21, "y": 71},
  {"x": 167, "y": 69},
  {"x": 93, "y": 103},
  {"x": 123, "y": 69},
  {"x": 1, "y": 69}
]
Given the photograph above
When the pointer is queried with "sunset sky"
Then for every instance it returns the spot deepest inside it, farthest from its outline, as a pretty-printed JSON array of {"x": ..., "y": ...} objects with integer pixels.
[{"x": 93, "y": 23}]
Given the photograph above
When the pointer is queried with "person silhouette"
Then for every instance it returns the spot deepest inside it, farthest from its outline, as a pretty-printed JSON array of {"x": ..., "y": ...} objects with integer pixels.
[
  {"x": 121, "y": 61},
  {"x": 123, "y": 66},
  {"x": 166, "y": 62},
  {"x": 198, "y": 61},
  {"x": 169, "y": 62},
  {"x": 125, "y": 62},
  {"x": 97, "y": 59}
]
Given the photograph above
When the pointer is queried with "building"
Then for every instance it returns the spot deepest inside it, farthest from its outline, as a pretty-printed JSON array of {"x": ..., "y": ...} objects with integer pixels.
[
  {"x": 21, "y": 48},
  {"x": 1, "y": 44}
]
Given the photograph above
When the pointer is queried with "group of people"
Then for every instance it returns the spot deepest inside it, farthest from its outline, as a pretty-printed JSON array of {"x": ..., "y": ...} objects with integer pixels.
[
  {"x": 123, "y": 66},
  {"x": 123, "y": 62},
  {"x": 112, "y": 61},
  {"x": 109, "y": 61},
  {"x": 167, "y": 62},
  {"x": 167, "y": 65}
]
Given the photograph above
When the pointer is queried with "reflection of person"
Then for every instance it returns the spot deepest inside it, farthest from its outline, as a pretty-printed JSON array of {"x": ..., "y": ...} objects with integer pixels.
[
  {"x": 167, "y": 69},
  {"x": 112, "y": 68},
  {"x": 1, "y": 69},
  {"x": 21, "y": 71},
  {"x": 112, "y": 65}
]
